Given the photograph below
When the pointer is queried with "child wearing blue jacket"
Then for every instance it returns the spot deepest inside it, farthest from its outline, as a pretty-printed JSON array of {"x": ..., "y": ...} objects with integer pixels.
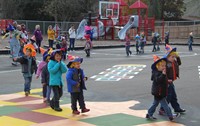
[
  {"x": 56, "y": 68},
  {"x": 76, "y": 84}
]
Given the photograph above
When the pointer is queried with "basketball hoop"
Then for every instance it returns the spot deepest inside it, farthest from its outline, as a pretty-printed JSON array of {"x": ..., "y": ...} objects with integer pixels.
[{"x": 108, "y": 10}]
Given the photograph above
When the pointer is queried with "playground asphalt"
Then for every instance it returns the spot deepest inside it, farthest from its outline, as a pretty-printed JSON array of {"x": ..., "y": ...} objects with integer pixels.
[
  {"x": 118, "y": 91},
  {"x": 99, "y": 44}
]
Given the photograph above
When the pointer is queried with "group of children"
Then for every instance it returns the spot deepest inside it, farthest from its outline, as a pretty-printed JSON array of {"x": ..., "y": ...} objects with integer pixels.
[
  {"x": 164, "y": 72},
  {"x": 140, "y": 43},
  {"x": 61, "y": 41},
  {"x": 156, "y": 41},
  {"x": 50, "y": 70}
]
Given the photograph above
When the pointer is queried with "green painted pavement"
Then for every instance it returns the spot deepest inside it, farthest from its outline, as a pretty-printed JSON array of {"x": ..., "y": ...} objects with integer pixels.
[
  {"x": 6, "y": 110},
  {"x": 119, "y": 119}
]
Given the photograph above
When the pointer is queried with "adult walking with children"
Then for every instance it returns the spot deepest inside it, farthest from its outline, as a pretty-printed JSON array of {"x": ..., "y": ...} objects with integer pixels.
[
  {"x": 72, "y": 36},
  {"x": 38, "y": 36},
  {"x": 51, "y": 36},
  {"x": 190, "y": 41}
]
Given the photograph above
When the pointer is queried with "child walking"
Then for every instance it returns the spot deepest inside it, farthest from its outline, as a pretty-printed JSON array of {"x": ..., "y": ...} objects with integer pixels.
[
  {"x": 128, "y": 44},
  {"x": 154, "y": 41},
  {"x": 76, "y": 84},
  {"x": 142, "y": 42},
  {"x": 64, "y": 47},
  {"x": 172, "y": 69},
  {"x": 45, "y": 78},
  {"x": 167, "y": 38},
  {"x": 29, "y": 66},
  {"x": 56, "y": 68},
  {"x": 159, "y": 88},
  {"x": 88, "y": 45},
  {"x": 42, "y": 64},
  {"x": 137, "y": 40}
]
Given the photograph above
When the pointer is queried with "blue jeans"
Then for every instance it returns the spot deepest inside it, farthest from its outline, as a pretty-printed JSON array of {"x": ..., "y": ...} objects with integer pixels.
[
  {"x": 172, "y": 97},
  {"x": 142, "y": 47},
  {"x": 71, "y": 44},
  {"x": 27, "y": 84},
  {"x": 190, "y": 46},
  {"x": 50, "y": 43},
  {"x": 163, "y": 103},
  {"x": 128, "y": 52},
  {"x": 137, "y": 47},
  {"x": 48, "y": 95},
  {"x": 154, "y": 47},
  {"x": 15, "y": 50},
  {"x": 158, "y": 46}
]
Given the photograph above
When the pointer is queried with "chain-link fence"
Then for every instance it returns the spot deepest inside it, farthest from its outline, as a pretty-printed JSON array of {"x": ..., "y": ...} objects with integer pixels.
[
  {"x": 30, "y": 25},
  {"x": 177, "y": 29}
]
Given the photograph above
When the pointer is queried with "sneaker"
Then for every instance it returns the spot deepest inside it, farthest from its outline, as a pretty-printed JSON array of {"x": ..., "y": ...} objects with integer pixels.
[
  {"x": 85, "y": 110},
  {"x": 75, "y": 112},
  {"x": 180, "y": 111},
  {"x": 58, "y": 109},
  {"x": 26, "y": 93},
  {"x": 44, "y": 100},
  {"x": 51, "y": 104},
  {"x": 48, "y": 102},
  {"x": 14, "y": 63},
  {"x": 150, "y": 117},
  {"x": 174, "y": 116},
  {"x": 161, "y": 112}
]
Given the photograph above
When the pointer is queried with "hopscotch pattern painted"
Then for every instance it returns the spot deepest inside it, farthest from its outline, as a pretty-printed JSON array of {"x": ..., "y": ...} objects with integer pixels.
[{"x": 118, "y": 72}]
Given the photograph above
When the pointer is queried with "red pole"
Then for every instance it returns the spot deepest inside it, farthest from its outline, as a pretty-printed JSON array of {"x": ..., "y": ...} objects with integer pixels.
[
  {"x": 146, "y": 24},
  {"x": 105, "y": 25},
  {"x": 120, "y": 11},
  {"x": 138, "y": 11},
  {"x": 112, "y": 29}
]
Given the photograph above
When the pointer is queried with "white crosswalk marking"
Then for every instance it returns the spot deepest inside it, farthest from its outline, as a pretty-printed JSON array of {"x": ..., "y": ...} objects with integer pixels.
[
  {"x": 199, "y": 71},
  {"x": 93, "y": 76}
]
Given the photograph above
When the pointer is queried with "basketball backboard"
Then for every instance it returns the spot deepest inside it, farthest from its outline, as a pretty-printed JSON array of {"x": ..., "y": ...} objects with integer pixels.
[{"x": 108, "y": 10}]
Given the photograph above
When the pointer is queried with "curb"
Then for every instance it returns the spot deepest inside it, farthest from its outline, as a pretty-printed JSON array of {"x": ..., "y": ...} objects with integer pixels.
[{"x": 7, "y": 51}]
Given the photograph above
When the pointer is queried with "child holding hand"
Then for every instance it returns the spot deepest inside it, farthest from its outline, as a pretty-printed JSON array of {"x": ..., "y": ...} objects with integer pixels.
[{"x": 159, "y": 88}]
